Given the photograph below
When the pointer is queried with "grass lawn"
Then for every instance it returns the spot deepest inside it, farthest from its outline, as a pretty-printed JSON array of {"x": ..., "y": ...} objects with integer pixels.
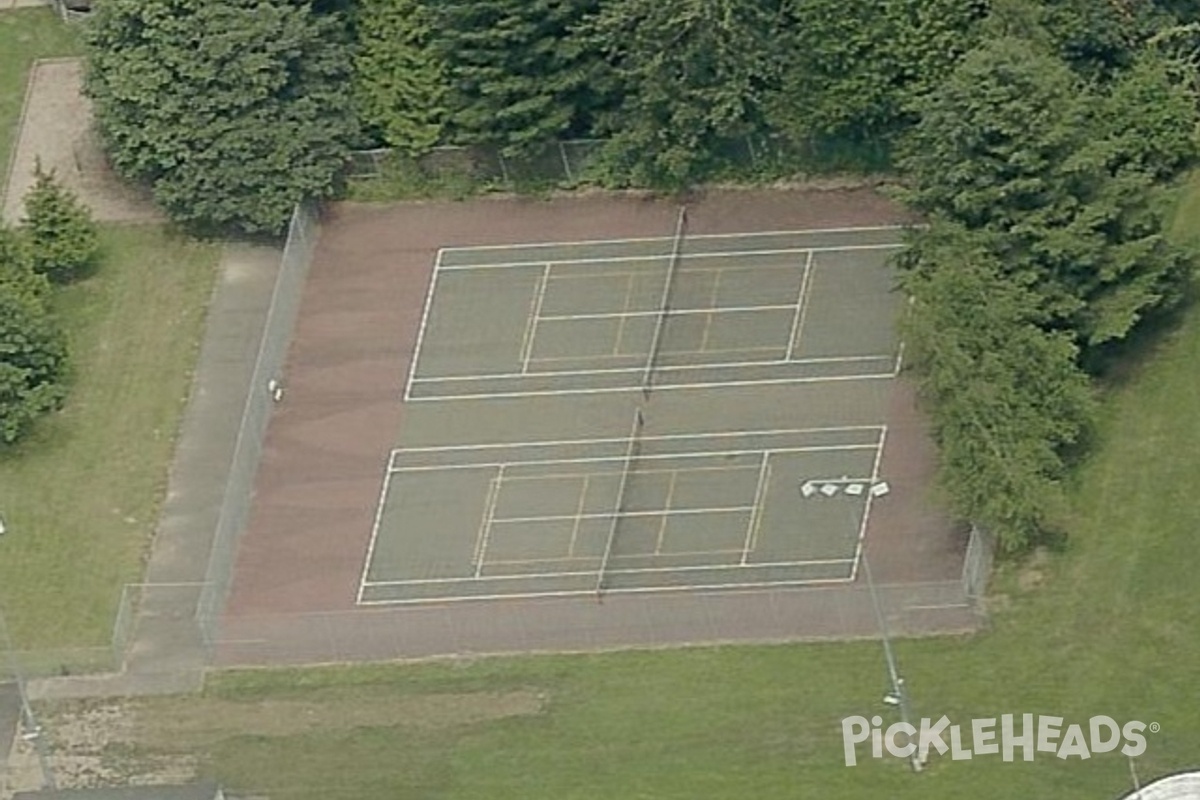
[
  {"x": 25, "y": 35},
  {"x": 1108, "y": 626},
  {"x": 81, "y": 496}
]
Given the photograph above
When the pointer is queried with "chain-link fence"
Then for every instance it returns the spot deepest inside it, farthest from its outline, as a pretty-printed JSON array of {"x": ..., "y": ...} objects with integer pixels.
[
  {"x": 977, "y": 563},
  {"x": 266, "y": 387}
]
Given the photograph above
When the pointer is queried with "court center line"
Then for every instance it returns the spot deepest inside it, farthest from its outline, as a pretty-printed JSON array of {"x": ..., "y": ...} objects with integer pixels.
[
  {"x": 425, "y": 313},
  {"x": 483, "y": 545},
  {"x": 693, "y": 269},
  {"x": 590, "y": 559},
  {"x": 801, "y": 307},
  {"x": 889, "y": 358},
  {"x": 369, "y": 558},
  {"x": 734, "y": 567},
  {"x": 455, "y": 398},
  {"x": 662, "y": 437},
  {"x": 666, "y": 512},
  {"x": 489, "y": 506},
  {"x": 694, "y": 237},
  {"x": 674, "y": 312},
  {"x": 565, "y": 475},
  {"x": 579, "y": 506},
  {"x": 760, "y": 490},
  {"x": 735, "y": 255},
  {"x": 746, "y": 349},
  {"x": 620, "y": 338},
  {"x": 531, "y": 322}
]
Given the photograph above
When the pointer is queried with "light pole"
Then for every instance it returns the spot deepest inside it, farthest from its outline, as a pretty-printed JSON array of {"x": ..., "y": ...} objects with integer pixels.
[
  {"x": 899, "y": 693},
  {"x": 31, "y": 731}
]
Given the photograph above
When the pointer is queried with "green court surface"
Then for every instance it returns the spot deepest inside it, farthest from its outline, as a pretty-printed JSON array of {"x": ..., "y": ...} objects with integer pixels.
[{"x": 641, "y": 415}]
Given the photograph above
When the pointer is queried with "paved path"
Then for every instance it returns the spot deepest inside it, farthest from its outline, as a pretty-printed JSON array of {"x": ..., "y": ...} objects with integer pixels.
[
  {"x": 166, "y": 654},
  {"x": 6, "y": 5}
]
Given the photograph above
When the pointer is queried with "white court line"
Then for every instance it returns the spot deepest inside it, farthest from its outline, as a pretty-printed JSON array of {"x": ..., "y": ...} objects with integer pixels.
[
  {"x": 703, "y": 587},
  {"x": 500, "y": 376},
  {"x": 583, "y": 490},
  {"x": 760, "y": 490},
  {"x": 693, "y": 237},
  {"x": 531, "y": 321},
  {"x": 592, "y": 558},
  {"x": 822, "y": 562},
  {"x": 662, "y": 523},
  {"x": 418, "y": 346},
  {"x": 657, "y": 438},
  {"x": 370, "y": 557},
  {"x": 743, "y": 255},
  {"x": 620, "y": 338},
  {"x": 605, "y": 473},
  {"x": 455, "y": 398},
  {"x": 692, "y": 269},
  {"x": 801, "y": 307},
  {"x": 619, "y": 459},
  {"x": 862, "y": 528},
  {"x": 680, "y": 512},
  {"x": 489, "y": 505},
  {"x": 487, "y": 523},
  {"x": 681, "y": 312},
  {"x": 618, "y": 354}
]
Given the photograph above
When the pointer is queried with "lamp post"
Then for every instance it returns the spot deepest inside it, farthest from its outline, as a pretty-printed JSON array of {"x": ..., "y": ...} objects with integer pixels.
[
  {"x": 31, "y": 731},
  {"x": 899, "y": 694}
]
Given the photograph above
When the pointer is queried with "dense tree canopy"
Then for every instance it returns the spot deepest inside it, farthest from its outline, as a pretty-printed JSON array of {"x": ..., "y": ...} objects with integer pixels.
[
  {"x": 231, "y": 111},
  {"x": 33, "y": 350}
]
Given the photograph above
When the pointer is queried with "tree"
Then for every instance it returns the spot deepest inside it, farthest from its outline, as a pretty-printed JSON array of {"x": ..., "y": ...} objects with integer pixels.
[
  {"x": 400, "y": 80},
  {"x": 693, "y": 74},
  {"x": 231, "y": 110},
  {"x": 517, "y": 75},
  {"x": 63, "y": 240},
  {"x": 1006, "y": 397},
  {"x": 33, "y": 350},
  {"x": 852, "y": 72},
  {"x": 1013, "y": 144}
]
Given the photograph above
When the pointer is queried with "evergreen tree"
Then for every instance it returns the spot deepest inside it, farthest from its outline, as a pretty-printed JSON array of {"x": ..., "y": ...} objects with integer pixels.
[{"x": 62, "y": 237}]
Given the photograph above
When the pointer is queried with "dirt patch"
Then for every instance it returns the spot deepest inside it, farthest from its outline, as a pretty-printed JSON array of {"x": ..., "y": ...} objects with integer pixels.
[
  {"x": 1033, "y": 570},
  {"x": 56, "y": 127},
  {"x": 156, "y": 741}
]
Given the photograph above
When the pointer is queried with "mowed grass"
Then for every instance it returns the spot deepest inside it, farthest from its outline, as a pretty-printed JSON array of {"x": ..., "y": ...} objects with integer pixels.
[
  {"x": 25, "y": 35},
  {"x": 81, "y": 496},
  {"x": 1109, "y": 626}
]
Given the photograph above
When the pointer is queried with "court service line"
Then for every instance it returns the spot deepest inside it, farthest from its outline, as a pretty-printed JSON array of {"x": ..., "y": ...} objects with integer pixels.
[
  {"x": 608, "y": 515},
  {"x": 874, "y": 376},
  {"x": 821, "y": 562},
  {"x": 487, "y": 525},
  {"x": 621, "y": 439},
  {"x": 594, "y": 473},
  {"x": 735, "y": 255},
  {"x": 425, "y": 312},
  {"x": 674, "y": 312},
  {"x": 531, "y": 321},
  {"x": 593, "y": 558},
  {"x": 838, "y": 448},
  {"x": 370, "y": 556},
  {"x": 695, "y": 237},
  {"x": 801, "y": 307},
  {"x": 760, "y": 490},
  {"x": 692, "y": 270},
  {"x": 499, "y": 376},
  {"x": 616, "y": 354},
  {"x": 862, "y": 528}
]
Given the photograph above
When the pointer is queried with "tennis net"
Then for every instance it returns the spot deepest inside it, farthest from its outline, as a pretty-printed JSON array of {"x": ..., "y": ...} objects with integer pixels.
[
  {"x": 632, "y": 451},
  {"x": 664, "y": 304}
]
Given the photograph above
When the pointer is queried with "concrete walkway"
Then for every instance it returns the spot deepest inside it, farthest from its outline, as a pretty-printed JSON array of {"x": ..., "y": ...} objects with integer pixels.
[
  {"x": 167, "y": 654},
  {"x": 6, "y": 5}
]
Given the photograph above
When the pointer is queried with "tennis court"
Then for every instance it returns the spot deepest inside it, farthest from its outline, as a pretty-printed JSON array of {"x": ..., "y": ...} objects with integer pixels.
[{"x": 651, "y": 414}]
